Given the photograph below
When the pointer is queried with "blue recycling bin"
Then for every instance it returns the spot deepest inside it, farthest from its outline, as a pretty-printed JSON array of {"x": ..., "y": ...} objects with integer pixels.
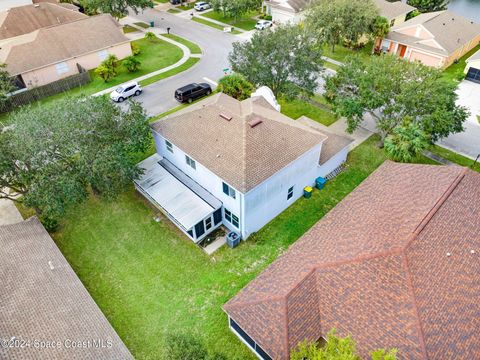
[{"x": 320, "y": 182}]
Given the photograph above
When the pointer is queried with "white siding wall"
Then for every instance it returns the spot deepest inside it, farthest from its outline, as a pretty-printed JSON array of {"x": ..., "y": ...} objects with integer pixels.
[
  {"x": 333, "y": 163},
  {"x": 201, "y": 175},
  {"x": 267, "y": 200}
]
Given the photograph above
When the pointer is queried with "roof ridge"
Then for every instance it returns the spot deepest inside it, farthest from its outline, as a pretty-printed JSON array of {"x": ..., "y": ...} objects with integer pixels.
[{"x": 421, "y": 335}]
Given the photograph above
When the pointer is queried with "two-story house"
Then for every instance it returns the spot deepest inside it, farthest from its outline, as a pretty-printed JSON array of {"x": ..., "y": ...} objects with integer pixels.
[{"x": 236, "y": 163}]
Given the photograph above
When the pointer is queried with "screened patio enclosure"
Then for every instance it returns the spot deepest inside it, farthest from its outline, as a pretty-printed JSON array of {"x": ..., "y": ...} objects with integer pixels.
[{"x": 192, "y": 208}]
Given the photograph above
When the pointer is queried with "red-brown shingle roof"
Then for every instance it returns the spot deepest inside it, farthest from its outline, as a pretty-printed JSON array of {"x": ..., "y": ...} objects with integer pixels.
[{"x": 376, "y": 267}]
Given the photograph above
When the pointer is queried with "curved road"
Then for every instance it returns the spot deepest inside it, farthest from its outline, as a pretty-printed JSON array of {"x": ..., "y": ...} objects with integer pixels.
[{"x": 215, "y": 44}]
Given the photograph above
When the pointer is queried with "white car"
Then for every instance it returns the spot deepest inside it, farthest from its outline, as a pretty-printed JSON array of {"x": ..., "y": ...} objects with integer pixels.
[
  {"x": 125, "y": 91},
  {"x": 263, "y": 24},
  {"x": 202, "y": 5}
]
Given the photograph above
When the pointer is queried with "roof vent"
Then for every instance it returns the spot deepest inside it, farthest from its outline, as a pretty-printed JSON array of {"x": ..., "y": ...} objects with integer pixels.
[
  {"x": 254, "y": 122},
  {"x": 50, "y": 264},
  {"x": 448, "y": 254},
  {"x": 36, "y": 5},
  {"x": 472, "y": 251},
  {"x": 226, "y": 117}
]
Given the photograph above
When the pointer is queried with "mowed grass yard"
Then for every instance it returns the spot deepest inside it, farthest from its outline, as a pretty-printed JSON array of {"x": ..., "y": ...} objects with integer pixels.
[
  {"x": 320, "y": 112},
  {"x": 151, "y": 280},
  {"x": 246, "y": 22},
  {"x": 455, "y": 72}
]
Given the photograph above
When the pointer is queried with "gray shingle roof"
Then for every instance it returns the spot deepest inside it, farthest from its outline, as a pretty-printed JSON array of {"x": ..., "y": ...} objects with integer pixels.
[
  {"x": 41, "y": 298},
  {"x": 241, "y": 155},
  {"x": 392, "y": 10}
]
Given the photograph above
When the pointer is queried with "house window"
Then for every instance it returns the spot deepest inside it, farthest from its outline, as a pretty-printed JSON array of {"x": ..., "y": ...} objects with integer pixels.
[
  {"x": 232, "y": 218},
  {"x": 217, "y": 216},
  {"x": 199, "y": 229},
  {"x": 208, "y": 223},
  {"x": 169, "y": 146},
  {"x": 102, "y": 54},
  {"x": 248, "y": 340},
  {"x": 227, "y": 190},
  {"x": 190, "y": 162},
  {"x": 290, "y": 193},
  {"x": 62, "y": 68}
]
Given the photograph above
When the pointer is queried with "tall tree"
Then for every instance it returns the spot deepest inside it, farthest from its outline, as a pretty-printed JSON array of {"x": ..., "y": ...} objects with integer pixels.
[
  {"x": 389, "y": 89},
  {"x": 6, "y": 86},
  {"x": 339, "y": 21},
  {"x": 235, "y": 8},
  {"x": 337, "y": 348},
  {"x": 53, "y": 154},
  {"x": 288, "y": 60},
  {"x": 117, "y": 8},
  {"x": 429, "y": 5}
]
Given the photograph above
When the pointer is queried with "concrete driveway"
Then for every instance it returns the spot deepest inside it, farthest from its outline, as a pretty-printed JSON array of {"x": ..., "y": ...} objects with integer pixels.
[
  {"x": 216, "y": 46},
  {"x": 467, "y": 142}
]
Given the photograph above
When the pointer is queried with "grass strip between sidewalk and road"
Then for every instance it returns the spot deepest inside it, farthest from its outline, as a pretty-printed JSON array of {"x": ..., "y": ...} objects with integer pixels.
[
  {"x": 185, "y": 66},
  {"x": 213, "y": 25},
  {"x": 194, "y": 48}
]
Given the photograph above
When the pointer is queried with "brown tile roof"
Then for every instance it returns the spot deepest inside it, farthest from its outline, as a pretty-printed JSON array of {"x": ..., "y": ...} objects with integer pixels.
[
  {"x": 41, "y": 298},
  {"x": 449, "y": 30},
  {"x": 25, "y": 19},
  {"x": 59, "y": 43},
  {"x": 377, "y": 267},
  {"x": 392, "y": 10},
  {"x": 239, "y": 154}
]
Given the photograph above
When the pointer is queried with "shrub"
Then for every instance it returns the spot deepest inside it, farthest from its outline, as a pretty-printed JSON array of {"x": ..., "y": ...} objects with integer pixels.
[
  {"x": 406, "y": 142},
  {"x": 268, "y": 17},
  {"x": 50, "y": 224},
  {"x": 105, "y": 72},
  {"x": 135, "y": 49},
  {"x": 150, "y": 36},
  {"x": 131, "y": 63},
  {"x": 111, "y": 61},
  {"x": 184, "y": 347},
  {"x": 236, "y": 86}
]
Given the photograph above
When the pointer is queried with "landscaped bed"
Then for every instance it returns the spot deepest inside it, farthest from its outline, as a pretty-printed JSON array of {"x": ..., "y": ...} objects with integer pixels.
[
  {"x": 455, "y": 72},
  {"x": 316, "y": 109},
  {"x": 246, "y": 22},
  {"x": 151, "y": 280}
]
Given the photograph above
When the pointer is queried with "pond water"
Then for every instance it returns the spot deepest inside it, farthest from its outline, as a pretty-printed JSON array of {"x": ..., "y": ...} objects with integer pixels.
[{"x": 467, "y": 8}]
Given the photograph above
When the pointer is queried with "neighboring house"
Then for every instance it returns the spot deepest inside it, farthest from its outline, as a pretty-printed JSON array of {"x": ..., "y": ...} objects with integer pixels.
[
  {"x": 395, "y": 12},
  {"x": 236, "y": 163},
  {"x": 45, "y": 306},
  {"x": 45, "y": 42},
  {"x": 285, "y": 11},
  {"x": 436, "y": 39},
  {"x": 395, "y": 264},
  {"x": 472, "y": 69}
]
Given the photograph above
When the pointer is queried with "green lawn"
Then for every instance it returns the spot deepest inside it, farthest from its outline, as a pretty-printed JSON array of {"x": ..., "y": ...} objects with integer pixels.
[
  {"x": 174, "y": 11},
  {"x": 297, "y": 108},
  {"x": 246, "y": 22},
  {"x": 150, "y": 280},
  {"x": 454, "y": 72},
  {"x": 341, "y": 52},
  {"x": 454, "y": 157},
  {"x": 331, "y": 65},
  {"x": 142, "y": 25},
  {"x": 211, "y": 24},
  {"x": 187, "y": 65},
  {"x": 128, "y": 29},
  {"x": 194, "y": 48}
]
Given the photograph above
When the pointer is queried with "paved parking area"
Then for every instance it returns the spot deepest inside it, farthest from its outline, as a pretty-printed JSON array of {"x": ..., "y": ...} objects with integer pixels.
[{"x": 468, "y": 142}]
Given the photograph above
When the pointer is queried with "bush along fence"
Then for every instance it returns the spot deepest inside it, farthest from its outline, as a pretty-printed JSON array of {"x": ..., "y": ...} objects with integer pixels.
[{"x": 27, "y": 96}]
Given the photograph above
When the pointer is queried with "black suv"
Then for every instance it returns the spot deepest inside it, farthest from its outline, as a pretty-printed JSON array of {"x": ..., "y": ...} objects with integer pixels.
[{"x": 190, "y": 92}]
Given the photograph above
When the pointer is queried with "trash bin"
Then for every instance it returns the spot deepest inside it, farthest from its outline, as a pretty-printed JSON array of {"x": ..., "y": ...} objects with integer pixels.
[
  {"x": 320, "y": 182},
  {"x": 307, "y": 192},
  {"x": 233, "y": 239},
  {"x": 152, "y": 23}
]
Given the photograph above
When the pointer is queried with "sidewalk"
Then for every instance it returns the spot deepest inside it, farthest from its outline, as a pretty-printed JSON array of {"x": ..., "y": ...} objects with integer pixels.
[
  {"x": 158, "y": 32},
  {"x": 9, "y": 213}
]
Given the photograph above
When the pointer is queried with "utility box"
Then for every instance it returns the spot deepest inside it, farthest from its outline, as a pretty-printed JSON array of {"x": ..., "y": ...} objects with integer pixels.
[
  {"x": 233, "y": 239},
  {"x": 320, "y": 182},
  {"x": 152, "y": 23}
]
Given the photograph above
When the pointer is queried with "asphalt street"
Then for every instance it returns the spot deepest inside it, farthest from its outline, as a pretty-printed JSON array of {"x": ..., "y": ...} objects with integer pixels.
[{"x": 215, "y": 44}]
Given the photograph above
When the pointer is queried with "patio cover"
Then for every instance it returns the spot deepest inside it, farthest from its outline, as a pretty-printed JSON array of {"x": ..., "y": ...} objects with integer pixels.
[{"x": 166, "y": 191}]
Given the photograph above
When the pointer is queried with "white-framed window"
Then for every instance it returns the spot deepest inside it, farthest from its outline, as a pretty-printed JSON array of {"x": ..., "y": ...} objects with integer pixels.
[
  {"x": 290, "y": 193},
  {"x": 228, "y": 190},
  {"x": 102, "y": 54},
  {"x": 62, "y": 68},
  {"x": 232, "y": 218},
  {"x": 169, "y": 146},
  {"x": 208, "y": 223},
  {"x": 190, "y": 162}
]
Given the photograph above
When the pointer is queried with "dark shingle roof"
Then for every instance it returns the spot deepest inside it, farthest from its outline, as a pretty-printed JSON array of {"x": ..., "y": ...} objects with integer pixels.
[
  {"x": 41, "y": 298},
  {"x": 377, "y": 267}
]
